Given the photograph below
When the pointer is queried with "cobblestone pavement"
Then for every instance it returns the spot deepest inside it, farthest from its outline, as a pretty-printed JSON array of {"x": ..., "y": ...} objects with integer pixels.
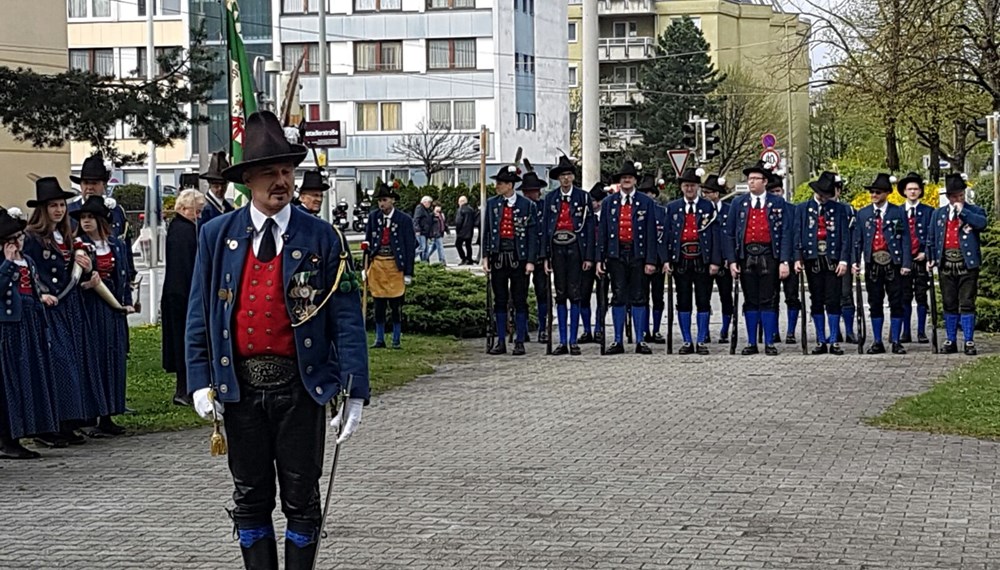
[{"x": 587, "y": 462}]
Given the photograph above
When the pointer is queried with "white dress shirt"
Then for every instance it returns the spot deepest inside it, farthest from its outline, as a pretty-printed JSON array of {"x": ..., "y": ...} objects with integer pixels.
[{"x": 281, "y": 219}]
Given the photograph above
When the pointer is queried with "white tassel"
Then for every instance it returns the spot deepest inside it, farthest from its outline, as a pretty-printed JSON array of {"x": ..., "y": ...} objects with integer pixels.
[
  {"x": 15, "y": 212},
  {"x": 965, "y": 177},
  {"x": 892, "y": 179},
  {"x": 660, "y": 182},
  {"x": 700, "y": 172},
  {"x": 638, "y": 166},
  {"x": 722, "y": 181},
  {"x": 837, "y": 178},
  {"x": 110, "y": 203}
]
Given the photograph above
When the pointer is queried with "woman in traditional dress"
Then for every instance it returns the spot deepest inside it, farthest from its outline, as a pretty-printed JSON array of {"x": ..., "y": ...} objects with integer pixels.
[
  {"x": 106, "y": 308},
  {"x": 27, "y": 399},
  {"x": 182, "y": 246}
]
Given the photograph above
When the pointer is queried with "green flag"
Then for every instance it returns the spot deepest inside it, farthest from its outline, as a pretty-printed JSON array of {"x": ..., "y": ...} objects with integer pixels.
[{"x": 242, "y": 101}]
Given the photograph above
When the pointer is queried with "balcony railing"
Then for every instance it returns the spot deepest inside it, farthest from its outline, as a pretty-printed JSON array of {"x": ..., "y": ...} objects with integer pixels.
[
  {"x": 625, "y": 49},
  {"x": 625, "y": 7},
  {"x": 620, "y": 94}
]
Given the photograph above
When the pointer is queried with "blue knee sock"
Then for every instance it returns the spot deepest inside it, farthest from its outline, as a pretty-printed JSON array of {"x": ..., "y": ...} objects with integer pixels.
[
  {"x": 907, "y": 317},
  {"x": 895, "y": 327},
  {"x": 248, "y": 536},
  {"x": 299, "y": 539},
  {"x": 951, "y": 326},
  {"x": 703, "y": 319},
  {"x": 521, "y": 326},
  {"x": 848, "y": 313},
  {"x": 726, "y": 319},
  {"x": 820, "y": 324},
  {"x": 640, "y": 322},
  {"x": 574, "y": 321},
  {"x": 793, "y": 320},
  {"x": 685, "y": 321},
  {"x": 770, "y": 320},
  {"x": 834, "y": 325},
  {"x": 921, "y": 320},
  {"x": 543, "y": 316},
  {"x": 968, "y": 326},
  {"x": 397, "y": 333},
  {"x": 561, "y": 315},
  {"x": 618, "y": 318},
  {"x": 380, "y": 332},
  {"x": 753, "y": 321},
  {"x": 502, "y": 327},
  {"x": 657, "y": 320},
  {"x": 585, "y": 317},
  {"x": 877, "y": 323}
]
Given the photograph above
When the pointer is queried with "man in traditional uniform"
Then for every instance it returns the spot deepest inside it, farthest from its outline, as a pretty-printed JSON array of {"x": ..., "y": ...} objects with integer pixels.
[
  {"x": 917, "y": 284},
  {"x": 274, "y": 332},
  {"x": 216, "y": 201},
  {"x": 882, "y": 240},
  {"x": 693, "y": 256},
  {"x": 510, "y": 243},
  {"x": 649, "y": 186},
  {"x": 567, "y": 229},
  {"x": 847, "y": 309},
  {"x": 712, "y": 190},
  {"x": 759, "y": 235},
  {"x": 627, "y": 251},
  {"x": 93, "y": 181},
  {"x": 953, "y": 247},
  {"x": 311, "y": 192},
  {"x": 531, "y": 187},
  {"x": 597, "y": 195},
  {"x": 392, "y": 246},
  {"x": 822, "y": 251},
  {"x": 789, "y": 286}
]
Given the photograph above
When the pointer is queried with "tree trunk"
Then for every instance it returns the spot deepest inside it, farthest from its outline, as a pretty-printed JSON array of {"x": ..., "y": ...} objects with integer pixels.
[
  {"x": 891, "y": 146},
  {"x": 934, "y": 147}
]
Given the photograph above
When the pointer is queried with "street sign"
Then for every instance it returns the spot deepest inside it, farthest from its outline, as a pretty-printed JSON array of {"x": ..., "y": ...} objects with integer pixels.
[
  {"x": 770, "y": 158},
  {"x": 768, "y": 141},
  {"x": 678, "y": 159},
  {"x": 323, "y": 134}
]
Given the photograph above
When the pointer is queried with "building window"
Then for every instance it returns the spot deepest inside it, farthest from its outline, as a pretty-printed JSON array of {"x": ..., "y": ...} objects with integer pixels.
[
  {"x": 468, "y": 176},
  {"x": 367, "y": 179},
  {"x": 529, "y": 64},
  {"x": 457, "y": 115},
  {"x": 695, "y": 20},
  {"x": 440, "y": 112},
  {"x": 573, "y": 117},
  {"x": 572, "y": 32},
  {"x": 159, "y": 52},
  {"x": 291, "y": 53},
  {"x": 90, "y": 8},
  {"x": 380, "y": 116},
  {"x": 448, "y": 4},
  {"x": 402, "y": 175},
  {"x": 626, "y": 74},
  {"x": 442, "y": 178},
  {"x": 161, "y": 7},
  {"x": 377, "y": 5},
  {"x": 378, "y": 56},
  {"x": 526, "y": 121},
  {"x": 624, "y": 120},
  {"x": 451, "y": 54},
  {"x": 465, "y": 115},
  {"x": 298, "y": 6},
  {"x": 625, "y": 29},
  {"x": 99, "y": 61},
  {"x": 573, "y": 81}
]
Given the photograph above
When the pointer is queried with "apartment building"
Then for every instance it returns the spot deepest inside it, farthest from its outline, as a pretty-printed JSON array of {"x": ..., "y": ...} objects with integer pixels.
[
  {"x": 34, "y": 37},
  {"x": 753, "y": 34},
  {"x": 398, "y": 64}
]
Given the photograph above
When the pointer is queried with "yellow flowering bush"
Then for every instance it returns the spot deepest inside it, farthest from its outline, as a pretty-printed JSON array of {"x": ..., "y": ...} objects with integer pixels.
[{"x": 931, "y": 190}]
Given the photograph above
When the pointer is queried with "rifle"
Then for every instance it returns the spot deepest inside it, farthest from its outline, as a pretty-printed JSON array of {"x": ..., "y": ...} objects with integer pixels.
[
  {"x": 628, "y": 323},
  {"x": 670, "y": 313},
  {"x": 491, "y": 316},
  {"x": 343, "y": 396},
  {"x": 602, "y": 307},
  {"x": 860, "y": 302},
  {"x": 802, "y": 312},
  {"x": 364, "y": 283},
  {"x": 934, "y": 312},
  {"x": 734, "y": 337},
  {"x": 550, "y": 283}
]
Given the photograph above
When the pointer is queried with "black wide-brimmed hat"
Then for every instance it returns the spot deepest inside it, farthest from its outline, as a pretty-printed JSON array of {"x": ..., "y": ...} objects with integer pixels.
[
  {"x": 385, "y": 191},
  {"x": 313, "y": 180},
  {"x": 95, "y": 206},
  {"x": 691, "y": 175},
  {"x": 509, "y": 173},
  {"x": 648, "y": 185},
  {"x": 531, "y": 181},
  {"x": 47, "y": 189},
  {"x": 883, "y": 182},
  {"x": 216, "y": 165},
  {"x": 565, "y": 166},
  {"x": 910, "y": 177},
  {"x": 11, "y": 224},
  {"x": 774, "y": 181},
  {"x": 598, "y": 193},
  {"x": 759, "y": 168},
  {"x": 714, "y": 183},
  {"x": 826, "y": 184},
  {"x": 628, "y": 168},
  {"x": 264, "y": 143},
  {"x": 955, "y": 184},
  {"x": 93, "y": 169}
]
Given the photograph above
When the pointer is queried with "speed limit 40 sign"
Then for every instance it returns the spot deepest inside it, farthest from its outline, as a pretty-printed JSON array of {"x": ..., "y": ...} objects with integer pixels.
[{"x": 770, "y": 158}]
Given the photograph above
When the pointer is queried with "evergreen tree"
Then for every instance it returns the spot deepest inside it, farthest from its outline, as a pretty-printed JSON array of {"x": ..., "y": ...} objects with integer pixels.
[{"x": 674, "y": 84}]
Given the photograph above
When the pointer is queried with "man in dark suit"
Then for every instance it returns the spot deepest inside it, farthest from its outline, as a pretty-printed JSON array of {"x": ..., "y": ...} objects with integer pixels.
[{"x": 465, "y": 224}]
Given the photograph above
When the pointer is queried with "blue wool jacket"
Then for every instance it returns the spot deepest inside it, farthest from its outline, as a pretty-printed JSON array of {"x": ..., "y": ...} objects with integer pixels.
[
  {"x": 781, "y": 221},
  {"x": 526, "y": 232},
  {"x": 709, "y": 233},
  {"x": 402, "y": 239},
  {"x": 644, "y": 242},
  {"x": 895, "y": 229},
  {"x": 580, "y": 213},
  {"x": 973, "y": 220},
  {"x": 838, "y": 231}
]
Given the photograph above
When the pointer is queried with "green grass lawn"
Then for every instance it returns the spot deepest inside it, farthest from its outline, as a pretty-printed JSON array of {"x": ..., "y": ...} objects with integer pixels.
[
  {"x": 150, "y": 389},
  {"x": 966, "y": 402}
]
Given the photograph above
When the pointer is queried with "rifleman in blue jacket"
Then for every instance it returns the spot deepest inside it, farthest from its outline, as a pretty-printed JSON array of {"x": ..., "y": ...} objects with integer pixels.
[
  {"x": 917, "y": 284},
  {"x": 953, "y": 247},
  {"x": 392, "y": 246}
]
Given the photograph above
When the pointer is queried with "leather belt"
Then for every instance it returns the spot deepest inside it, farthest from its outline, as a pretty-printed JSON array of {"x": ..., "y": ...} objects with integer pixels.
[
  {"x": 507, "y": 245},
  {"x": 757, "y": 248},
  {"x": 821, "y": 247},
  {"x": 267, "y": 371},
  {"x": 691, "y": 249},
  {"x": 881, "y": 257},
  {"x": 383, "y": 252},
  {"x": 953, "y": 255},
  {"x": 563, "y": 237}
]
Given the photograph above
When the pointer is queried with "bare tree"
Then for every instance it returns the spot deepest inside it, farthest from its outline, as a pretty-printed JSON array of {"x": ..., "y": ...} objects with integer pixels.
[
  {"x": 745, "y": 112},
  {"x": 436, "y": 148}
]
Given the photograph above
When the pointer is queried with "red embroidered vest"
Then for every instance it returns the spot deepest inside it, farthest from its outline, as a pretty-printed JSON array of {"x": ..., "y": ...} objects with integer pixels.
[{"x": 262, "y": 325}]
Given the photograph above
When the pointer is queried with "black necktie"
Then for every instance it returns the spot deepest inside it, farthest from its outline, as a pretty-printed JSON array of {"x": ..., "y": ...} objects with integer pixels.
[
  {"x": 628, "y": 200},
  {"x": 268, "y": 249},
  {"x": 756, "y": 202},
  {"x": 690, "y": 208},
  {"x": 912, "y": 212}
]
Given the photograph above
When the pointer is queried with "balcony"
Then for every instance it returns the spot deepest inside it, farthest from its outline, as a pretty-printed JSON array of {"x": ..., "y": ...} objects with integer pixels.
[
  {"x": 625, "y": 49},
  {"x": 618, "y": 139},
  {"x": 620, "y": 94},
  {"x": 625, "y": 7}
]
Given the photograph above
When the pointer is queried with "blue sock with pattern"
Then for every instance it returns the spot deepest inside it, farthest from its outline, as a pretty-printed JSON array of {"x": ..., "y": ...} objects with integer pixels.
[
  {"x": 618, "y": 318},
  {"x": 574, "y": 322},
  {"x": 685, "y": 321}
]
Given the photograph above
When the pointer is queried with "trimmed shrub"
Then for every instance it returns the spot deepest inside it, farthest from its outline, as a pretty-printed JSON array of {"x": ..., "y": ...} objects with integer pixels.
[{"x": 132, "y": 197}]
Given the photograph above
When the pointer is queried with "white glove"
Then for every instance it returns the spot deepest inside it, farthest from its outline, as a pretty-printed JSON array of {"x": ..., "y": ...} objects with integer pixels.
[
  {"x": 355, "y": 407},
  {"x": 364, "y": 275},
  {"x": 205, "y": 406},
  {"x": 407, "y": 280}
]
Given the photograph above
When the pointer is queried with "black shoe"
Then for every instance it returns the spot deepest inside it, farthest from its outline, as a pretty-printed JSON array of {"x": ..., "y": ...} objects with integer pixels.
[
  {"x": 723, "y": 338},
  {"x": 876, "y": 348},
  {"x": 518, "y": 349},
  {"x": 109, "y": 427},
  {"x": 527, "y": 337},
  {"x": 970, "y": 349},
  {"x": 498, "y": 348},
  {"x": 922, "y": 338},
  {"x": 51, "y": 440},
  {"x": 851, "y": 339},
  {"x": 615, "y": 348},
  {"x": 702, "y": 349},
  {"x": 905, "y": 338},
  {"x": 598, "y": 337},
  {"x": 686, "y": 348},
  {"x": 658, "y": 339},
  {"x": 12, "y": 449},
  {"x": 790, "y": 339},
  {"x": 262, "y": 555},
  {"x": 820, "y": 348},
  {"x": 397, "y": 346},
  {"x": 299, "y": 558},
  {"x": 182, "y": 400},
  {"x": 776, "y": 338},
  {"x": 897, "y": 348},
  {"x": 586, "y": 338},
  {"x": 770, "y": 350},
  {"x": 750, "y": 349},
  {"x": 948, "y": 348},
  {"x": 560, "y": 350},
  {"x": 574, "y": 349},
  {"x": 379, "y": 344},
  {"x": 543, "y": 337},
  {"x": 835, "y": 349},
  {"x": 71, "y": 437},
  {"x": 642, "y": 348}
]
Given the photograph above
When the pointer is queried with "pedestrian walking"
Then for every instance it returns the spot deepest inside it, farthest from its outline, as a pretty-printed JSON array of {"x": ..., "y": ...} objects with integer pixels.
[{"x": 465, "y": 224}]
